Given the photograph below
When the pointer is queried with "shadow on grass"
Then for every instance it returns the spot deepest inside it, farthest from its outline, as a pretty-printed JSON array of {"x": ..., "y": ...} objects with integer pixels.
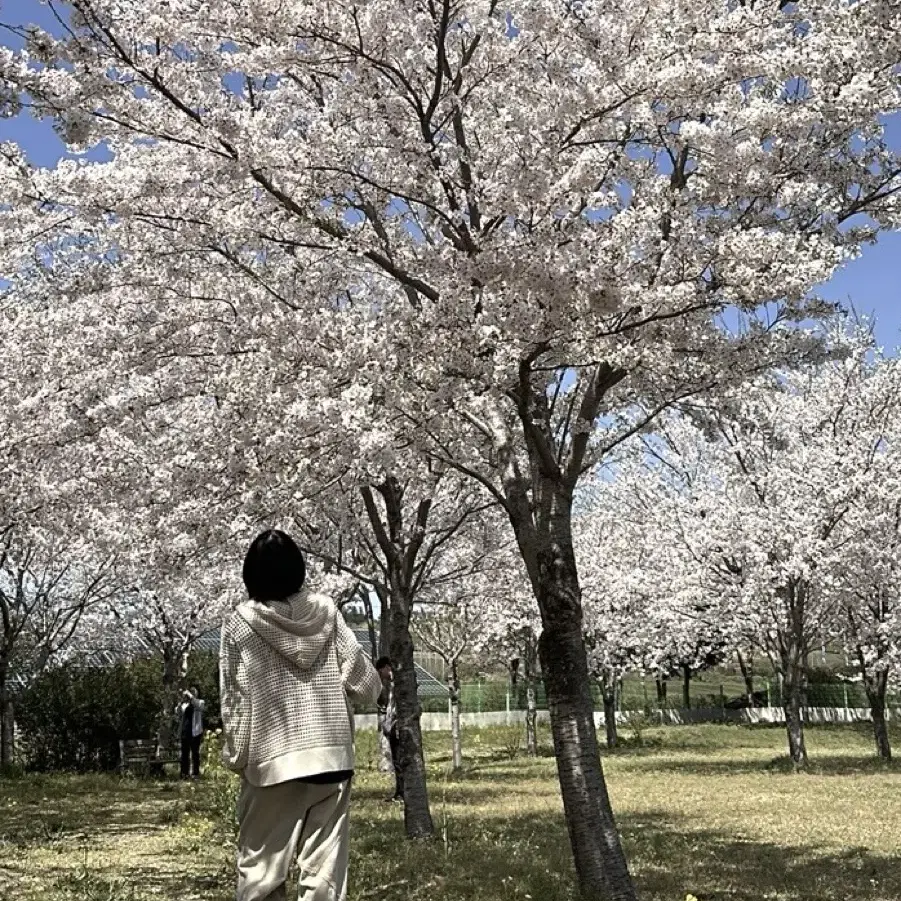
[
  {"x": 520, "y": 856},
  {"x": 508, "y": 855},
  {"x": 104, "y": 883},
  {"x": 818, "y": 765},
  {"x": 670, "y": 857},
  {"x": 461, "y": 791},
  {"x": 41, "y": 810}
]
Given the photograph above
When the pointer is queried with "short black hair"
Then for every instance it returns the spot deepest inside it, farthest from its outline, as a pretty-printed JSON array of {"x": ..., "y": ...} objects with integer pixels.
[
  {"x": 274, "y": 567},
  {"x": 382, "y": 662}
]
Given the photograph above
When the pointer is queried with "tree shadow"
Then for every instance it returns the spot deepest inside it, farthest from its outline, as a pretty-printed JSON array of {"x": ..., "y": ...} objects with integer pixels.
[
  {"x": 49, "y": 809},
  {"x": 519, "y": 856},
  {"x": 457, "y": 792},
  {"x": 818, "y": 765},
  {"x": 516, "y": 849},
  {"x": 108, "y": 883},
  {"x": 674, "y": 856}
]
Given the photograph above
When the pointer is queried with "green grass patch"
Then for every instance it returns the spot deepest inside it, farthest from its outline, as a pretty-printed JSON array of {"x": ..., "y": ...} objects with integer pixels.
[{"x": 710, "y": 810}]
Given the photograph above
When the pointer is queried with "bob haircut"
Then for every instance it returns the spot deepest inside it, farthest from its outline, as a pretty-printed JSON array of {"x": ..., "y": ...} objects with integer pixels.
[{"x": 274, "y": 567}]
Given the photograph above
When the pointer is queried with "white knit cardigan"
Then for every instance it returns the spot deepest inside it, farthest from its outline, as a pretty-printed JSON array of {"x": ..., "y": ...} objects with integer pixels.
[{"x": 288, "y": 672}]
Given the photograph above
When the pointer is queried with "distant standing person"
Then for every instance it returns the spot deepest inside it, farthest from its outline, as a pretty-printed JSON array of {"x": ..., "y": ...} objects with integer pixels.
[
  {"x": 289, "y": 669},
  {"x": 190, "y": 710},
  {"x": 388, "y": 711}
]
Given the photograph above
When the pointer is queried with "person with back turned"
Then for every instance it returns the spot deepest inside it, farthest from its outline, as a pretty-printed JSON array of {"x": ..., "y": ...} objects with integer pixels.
[{"x": 290, "y": 669}]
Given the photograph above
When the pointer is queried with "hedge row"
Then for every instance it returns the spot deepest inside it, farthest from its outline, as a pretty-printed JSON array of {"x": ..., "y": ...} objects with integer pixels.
[{"x": 73, "y": 717}]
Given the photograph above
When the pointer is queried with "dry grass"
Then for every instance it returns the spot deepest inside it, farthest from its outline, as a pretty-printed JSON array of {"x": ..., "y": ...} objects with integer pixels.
[{"x": 707, "y": 810}]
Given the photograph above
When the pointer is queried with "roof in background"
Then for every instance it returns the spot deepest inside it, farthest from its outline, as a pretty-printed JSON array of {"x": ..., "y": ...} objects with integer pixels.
[{"x": 429, "y": 686}]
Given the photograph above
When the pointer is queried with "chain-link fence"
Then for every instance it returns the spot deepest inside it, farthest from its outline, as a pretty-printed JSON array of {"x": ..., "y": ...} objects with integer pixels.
[{"x": 645, "y": 694}]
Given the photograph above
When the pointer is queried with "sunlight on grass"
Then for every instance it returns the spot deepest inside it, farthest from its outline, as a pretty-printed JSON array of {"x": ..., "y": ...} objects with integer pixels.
[{"x": 707, "y": 810}]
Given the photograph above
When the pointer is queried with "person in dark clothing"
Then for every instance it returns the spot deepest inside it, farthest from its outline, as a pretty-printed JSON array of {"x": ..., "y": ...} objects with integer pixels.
[
  {"x": 190, "y": 710},
  {"x": 388, "y": 712}
]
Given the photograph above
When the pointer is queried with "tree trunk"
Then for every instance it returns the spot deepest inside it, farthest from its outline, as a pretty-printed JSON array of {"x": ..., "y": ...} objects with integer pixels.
[
  {"x": 794, "y": 723},
  {"x": 531, "y": 718},
  {"x": 608, "y": 693},
  {"x": 876, "y": 685},
  {"x": 175, "y": 669},
  {"x": 661, "y": 689},
  {"x": 539, "y": 504},
  {"x": 7, "y": 733},
  {"x": 417, "y": 815},
  {"x": 530, "y": 676},
  {"x": 601, "y": 867},
  {"x": 7, "y": 720},
  {"x": 386, "y": 761},
  {"x": 453, "y": 688},
  {"x": 793, "y": 653},
  {"x": 370, "y": 623},
  {"x": 384, "y": 621},
  {"x": 7, "y": 727},
  {"x": 686, "y": 686},
  {"x": 747, "y": 674}
]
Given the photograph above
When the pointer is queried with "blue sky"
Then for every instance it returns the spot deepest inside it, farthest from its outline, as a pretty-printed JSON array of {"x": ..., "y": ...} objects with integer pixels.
[{"x": 869, "y": 283}]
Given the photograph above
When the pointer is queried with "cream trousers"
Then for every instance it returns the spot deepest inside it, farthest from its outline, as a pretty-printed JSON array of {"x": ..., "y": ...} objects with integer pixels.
[{"x": 293, "y": 818}]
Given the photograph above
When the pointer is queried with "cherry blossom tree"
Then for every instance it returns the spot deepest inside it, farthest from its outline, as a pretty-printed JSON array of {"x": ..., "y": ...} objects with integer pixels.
[
  {"x": 869, "y": 624},
  {"x": 457, "y": 611},
  {"x": 166, "y": 617},
  {"x": 637, "y": 617},
  {"x": 366, "y": 524},
  {"x": 448, "y": 633},
  {"x": 49, "y": 590},
  {"x": 572, "y": 193},
  {"x": 509, "y": 632},
  {"x": 116, "y": 491},
  {"x": 410, "y": 539},
  {"x": 768, "y": 494},
  {"x": 205, "y": 463},
  {"x": 180, "y": 423},
  {"x": 617, "y": 600},
  {"x": 613, "y": 640}
]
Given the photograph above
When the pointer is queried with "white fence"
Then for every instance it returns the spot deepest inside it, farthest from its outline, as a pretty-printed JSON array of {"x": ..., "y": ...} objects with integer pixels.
[
  {"x": 440, "y": 722},
  {"x": 768, "y": 715}
]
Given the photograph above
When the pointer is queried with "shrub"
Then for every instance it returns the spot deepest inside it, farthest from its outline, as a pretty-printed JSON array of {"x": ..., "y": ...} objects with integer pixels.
[
  {"x": 638, "y": 721},
  {"x": 512, "y": 738},
  {"x": 73, "y": 717},
  {"x": 220, "y": 795}
]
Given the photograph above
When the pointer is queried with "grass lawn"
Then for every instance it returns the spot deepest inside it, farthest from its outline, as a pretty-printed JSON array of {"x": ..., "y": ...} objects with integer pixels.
[{"x": 710, "y": 810}]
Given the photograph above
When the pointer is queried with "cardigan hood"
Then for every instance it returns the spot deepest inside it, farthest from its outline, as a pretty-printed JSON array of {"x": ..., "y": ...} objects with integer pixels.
[{"x": 298, "y": 628}]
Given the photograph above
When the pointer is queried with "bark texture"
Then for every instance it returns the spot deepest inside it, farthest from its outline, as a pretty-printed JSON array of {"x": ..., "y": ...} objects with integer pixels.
[
  {"x": 608, "y": 693},
  {"x": 417, "y": 814},
  {"x": 876, "y": 685},
  {"x": 453, "y": 687}
]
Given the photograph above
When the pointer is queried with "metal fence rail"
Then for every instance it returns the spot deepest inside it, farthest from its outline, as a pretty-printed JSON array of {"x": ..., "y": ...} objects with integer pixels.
[{"x": 638, "y": 695}]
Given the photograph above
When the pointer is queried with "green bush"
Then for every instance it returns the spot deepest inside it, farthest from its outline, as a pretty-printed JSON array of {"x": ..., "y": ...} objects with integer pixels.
[
  {"x": 638, "y": 721},
  {"x": 218, "y": 803},
  {"x": 708, "y": 701},
  {"x": 73, "y": 717}
]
